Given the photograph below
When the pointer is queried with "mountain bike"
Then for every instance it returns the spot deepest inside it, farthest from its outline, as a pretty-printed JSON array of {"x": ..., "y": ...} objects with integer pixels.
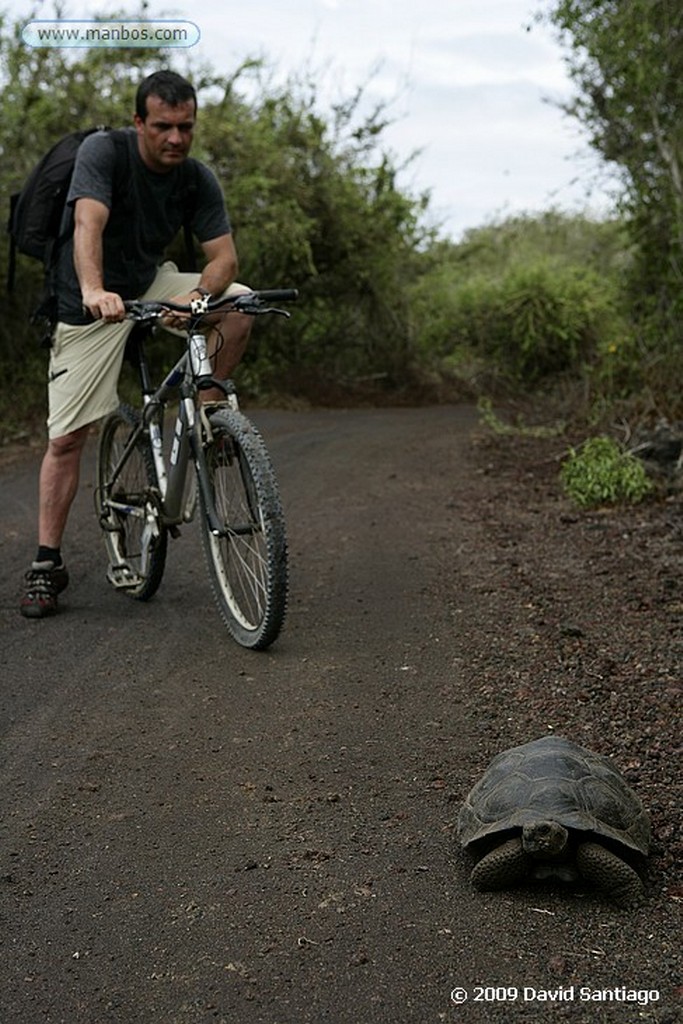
[{"x": 144, "y": 492}]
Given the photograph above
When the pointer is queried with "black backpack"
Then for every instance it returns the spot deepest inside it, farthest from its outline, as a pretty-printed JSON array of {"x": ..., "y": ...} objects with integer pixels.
[{"x": 36, "y": 212}]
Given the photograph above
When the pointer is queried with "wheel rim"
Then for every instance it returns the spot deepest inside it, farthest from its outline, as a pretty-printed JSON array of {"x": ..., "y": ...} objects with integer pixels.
[{"x": 241, "y": 556}]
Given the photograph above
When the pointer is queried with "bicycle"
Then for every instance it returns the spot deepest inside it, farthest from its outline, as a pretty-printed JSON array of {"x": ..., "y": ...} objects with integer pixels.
[{"x": 144, "y": 494}]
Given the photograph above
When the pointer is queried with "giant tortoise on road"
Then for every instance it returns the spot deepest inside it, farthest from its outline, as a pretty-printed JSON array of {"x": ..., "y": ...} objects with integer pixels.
[{"x": 550, "y": 808}]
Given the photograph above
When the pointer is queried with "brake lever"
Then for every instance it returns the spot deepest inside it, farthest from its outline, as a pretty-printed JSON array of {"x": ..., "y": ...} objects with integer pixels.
[
  {"x": 143, "y": 310},
  {"x": 255, "y": 309}
]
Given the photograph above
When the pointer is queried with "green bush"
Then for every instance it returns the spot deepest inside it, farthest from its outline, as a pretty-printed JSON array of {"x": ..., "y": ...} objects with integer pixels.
[
  {"x": 603, "y": 473},
  {"x": 541, "y": 322},
  {"x": 525, "y": 300}
]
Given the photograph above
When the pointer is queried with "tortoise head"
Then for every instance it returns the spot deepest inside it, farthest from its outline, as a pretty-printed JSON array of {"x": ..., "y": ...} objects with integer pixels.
[{"x": 543, "y": 839}]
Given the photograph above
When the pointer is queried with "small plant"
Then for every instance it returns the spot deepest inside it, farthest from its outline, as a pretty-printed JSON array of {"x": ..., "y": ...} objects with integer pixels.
[{"x": 602, "y": 473}]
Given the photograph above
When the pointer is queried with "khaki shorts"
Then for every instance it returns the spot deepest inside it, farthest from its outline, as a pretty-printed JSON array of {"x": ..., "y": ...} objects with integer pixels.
[{"x": 85, "y": 361}]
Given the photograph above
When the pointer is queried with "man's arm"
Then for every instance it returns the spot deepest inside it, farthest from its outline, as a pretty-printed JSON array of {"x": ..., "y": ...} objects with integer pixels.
[
  {"x": 219, "y": 272},
  {"x": 90, "y": 219},
  {"x": 221, "y": 266}
]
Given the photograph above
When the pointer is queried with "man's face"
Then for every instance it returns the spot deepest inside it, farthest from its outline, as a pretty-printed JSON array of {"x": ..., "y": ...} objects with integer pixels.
[{"x": 165, "y": 135}]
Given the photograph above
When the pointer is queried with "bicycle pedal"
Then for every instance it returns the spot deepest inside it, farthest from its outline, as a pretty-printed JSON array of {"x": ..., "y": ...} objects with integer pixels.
[{"x": 122, "y": 577}]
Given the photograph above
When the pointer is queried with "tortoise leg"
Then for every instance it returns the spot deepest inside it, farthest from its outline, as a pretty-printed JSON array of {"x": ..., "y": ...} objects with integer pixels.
[
  {"x": 609, "y": 872},
  {"x": 505, "y": 866}
]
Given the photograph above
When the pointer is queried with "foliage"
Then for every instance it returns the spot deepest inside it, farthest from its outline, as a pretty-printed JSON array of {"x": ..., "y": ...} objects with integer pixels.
[
  {"x": 316, "y": 205},
  {"x": 627, "y": 61},
  {"x": 602, "y": 473},
  {"x": 561, "y": 238},
  {"x": 527, "y": 299},
  {"x": 537, "y": 321}
]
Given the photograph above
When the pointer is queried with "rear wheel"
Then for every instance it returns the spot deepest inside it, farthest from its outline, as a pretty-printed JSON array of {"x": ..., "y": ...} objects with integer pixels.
[
  {"x": 136, "y": 541},
  {"x": 248, "y": 560}
]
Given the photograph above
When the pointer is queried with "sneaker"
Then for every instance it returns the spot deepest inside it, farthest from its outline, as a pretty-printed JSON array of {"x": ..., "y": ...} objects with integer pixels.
[{"x": 44, "y": 581}]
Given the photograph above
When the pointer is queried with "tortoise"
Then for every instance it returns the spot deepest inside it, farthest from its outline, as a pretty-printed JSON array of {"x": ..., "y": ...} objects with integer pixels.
[{"x": 550, "y": 808}]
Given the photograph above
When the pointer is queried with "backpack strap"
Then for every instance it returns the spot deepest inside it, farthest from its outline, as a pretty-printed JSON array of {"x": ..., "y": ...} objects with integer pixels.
[
  {"x": 190, "y": 255},
  {"x": 12, "y": 258},
  {"x": 122, "y": 182},
  {"x": 190, "y": 197}
]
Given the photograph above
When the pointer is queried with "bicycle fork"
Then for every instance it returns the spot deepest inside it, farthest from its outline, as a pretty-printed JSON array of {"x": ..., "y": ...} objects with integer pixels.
[
  {"x": 199, "y": 429},
  {"x": 200, "y": 432}
]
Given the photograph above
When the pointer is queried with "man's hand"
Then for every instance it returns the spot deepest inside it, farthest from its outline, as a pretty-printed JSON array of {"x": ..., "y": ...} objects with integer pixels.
[
  {"x": 104, "y": 305},
  {"x": 173, "y": 319}
]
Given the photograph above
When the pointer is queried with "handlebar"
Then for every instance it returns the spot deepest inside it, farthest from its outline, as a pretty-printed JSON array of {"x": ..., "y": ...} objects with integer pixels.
[{"x": 253, "y": 303}]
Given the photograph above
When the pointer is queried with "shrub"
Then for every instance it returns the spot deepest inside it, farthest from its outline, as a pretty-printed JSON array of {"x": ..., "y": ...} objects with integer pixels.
[
  {"x": 603, "y": 473},
  {"x": 526, "y": 323}
]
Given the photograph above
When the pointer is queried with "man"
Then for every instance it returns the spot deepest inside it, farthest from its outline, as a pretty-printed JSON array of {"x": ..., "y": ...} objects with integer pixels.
[{"x": 116, "y": 253}]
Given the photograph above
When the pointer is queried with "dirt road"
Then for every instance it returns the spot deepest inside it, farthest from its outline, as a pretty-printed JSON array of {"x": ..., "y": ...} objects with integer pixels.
[{"x": 195, "y": 833}]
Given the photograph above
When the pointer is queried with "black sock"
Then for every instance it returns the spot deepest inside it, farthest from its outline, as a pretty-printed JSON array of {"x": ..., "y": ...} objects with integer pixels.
[{"x": 53, "y": 555}]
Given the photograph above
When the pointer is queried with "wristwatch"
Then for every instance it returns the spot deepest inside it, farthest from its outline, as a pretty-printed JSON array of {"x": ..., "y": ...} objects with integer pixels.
[{"x": 204, "y": 292}]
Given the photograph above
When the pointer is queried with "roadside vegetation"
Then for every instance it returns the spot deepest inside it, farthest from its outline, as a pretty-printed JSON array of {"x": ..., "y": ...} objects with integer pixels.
[
  {"x": 391, "y": 311},
  {"x": 602, "y": 473}
]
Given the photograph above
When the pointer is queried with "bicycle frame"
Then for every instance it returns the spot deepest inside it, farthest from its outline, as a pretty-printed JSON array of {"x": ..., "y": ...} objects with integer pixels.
[{"x": 187, "y": 433}]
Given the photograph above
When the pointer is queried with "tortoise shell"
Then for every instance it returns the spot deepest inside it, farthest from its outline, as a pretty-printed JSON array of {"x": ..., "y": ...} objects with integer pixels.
[{"x": 553, "y": 779}]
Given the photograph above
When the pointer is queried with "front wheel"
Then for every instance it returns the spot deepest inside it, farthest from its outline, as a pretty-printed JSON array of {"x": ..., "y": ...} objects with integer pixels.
[
  {"x": 247, "y": 559},
  {"x": 127, "y": 501}
]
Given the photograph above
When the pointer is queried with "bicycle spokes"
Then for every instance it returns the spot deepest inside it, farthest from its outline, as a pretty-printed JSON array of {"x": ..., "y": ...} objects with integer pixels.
[{"x": 244, "y": 537}]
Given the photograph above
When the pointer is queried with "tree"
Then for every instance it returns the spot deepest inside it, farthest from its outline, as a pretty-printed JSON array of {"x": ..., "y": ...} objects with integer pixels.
[
  {"x": 317, "y": 205},
  {"x": 626, "y": 57}
]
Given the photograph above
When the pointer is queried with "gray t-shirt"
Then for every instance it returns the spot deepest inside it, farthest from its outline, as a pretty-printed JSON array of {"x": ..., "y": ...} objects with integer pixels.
[{"x": 145, "y": 216}]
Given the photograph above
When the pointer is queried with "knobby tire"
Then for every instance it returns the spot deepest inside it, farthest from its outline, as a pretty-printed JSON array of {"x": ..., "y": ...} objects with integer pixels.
[{"x": 248, "y": 565}]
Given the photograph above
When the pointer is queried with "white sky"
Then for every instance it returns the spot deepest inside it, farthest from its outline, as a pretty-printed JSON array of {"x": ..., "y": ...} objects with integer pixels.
[{"x": 470, "y": 87}]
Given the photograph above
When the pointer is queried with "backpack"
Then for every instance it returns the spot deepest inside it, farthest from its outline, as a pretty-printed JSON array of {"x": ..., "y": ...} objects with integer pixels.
[{"x": 36, "y": 212}]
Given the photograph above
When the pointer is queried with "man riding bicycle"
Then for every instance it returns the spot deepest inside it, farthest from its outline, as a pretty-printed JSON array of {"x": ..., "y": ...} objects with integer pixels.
[{"x": 116, "y": 252}]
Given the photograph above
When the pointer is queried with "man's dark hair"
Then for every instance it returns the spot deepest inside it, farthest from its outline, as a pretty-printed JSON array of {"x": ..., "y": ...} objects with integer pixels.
[{"x": 169, "y": 86}]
